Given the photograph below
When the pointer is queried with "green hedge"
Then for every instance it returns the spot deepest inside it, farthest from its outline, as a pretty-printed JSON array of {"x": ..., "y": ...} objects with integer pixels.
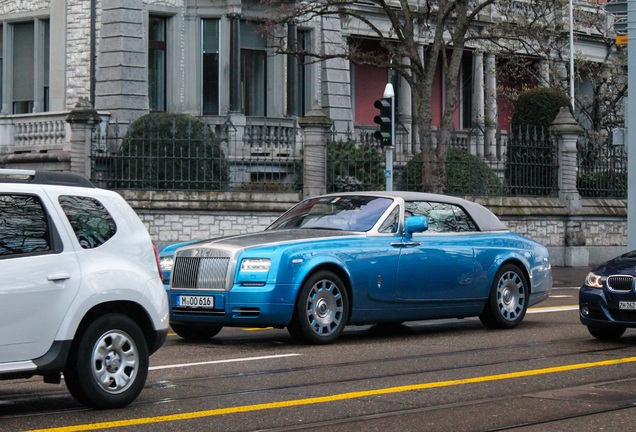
[
  {"x": 352, "y": 167},
  {"x": 171, "y": 151},
  {"x": 465, "y": 175}
]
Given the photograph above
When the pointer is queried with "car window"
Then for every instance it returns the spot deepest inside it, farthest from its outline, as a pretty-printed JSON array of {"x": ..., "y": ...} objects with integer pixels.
[
  {"x": 442, "y": 217},
  {"x": 347, "y": 212},
  {"x": 92, "y": 223},
  {"x": 24, "y": 226},
  {"x": 390, "y": 225}
]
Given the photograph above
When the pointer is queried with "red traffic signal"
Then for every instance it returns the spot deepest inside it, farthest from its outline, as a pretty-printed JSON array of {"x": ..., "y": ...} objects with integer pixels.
[{"x": 384, "y": 120}]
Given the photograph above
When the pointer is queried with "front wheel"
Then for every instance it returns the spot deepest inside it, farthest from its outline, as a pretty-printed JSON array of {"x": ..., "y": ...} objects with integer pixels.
[
  {"x": 196, "y": 332},
  {"x": 109, "y": 363},
  {"x": 321, "y": 311},
  {"x": 508, "y": 301},
  {"x": 606, "y": 332}
]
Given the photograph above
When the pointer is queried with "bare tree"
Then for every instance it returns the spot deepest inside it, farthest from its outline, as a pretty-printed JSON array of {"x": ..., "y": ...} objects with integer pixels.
[{"x": 419, "y": 37}]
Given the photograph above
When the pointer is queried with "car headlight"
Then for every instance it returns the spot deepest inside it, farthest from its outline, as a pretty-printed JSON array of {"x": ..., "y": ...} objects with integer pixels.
[
  {"x": 255, "y": 265},
  {"x": 166, "y": 263},
  {"x": 594, "y": 281}
]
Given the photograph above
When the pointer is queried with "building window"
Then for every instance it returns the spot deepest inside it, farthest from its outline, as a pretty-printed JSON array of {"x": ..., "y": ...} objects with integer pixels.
[
  {"x": 1, "y": 62},
  {"x": 210, "y": 66},
  {"x": 304, "y": 88},
  {"x": 253, "y": 71},
  {"x": 157, "y": 63},
  {"x": 28, "y": 57},
  {"x": 466, "y": 89},
  {"x": 46, "y": 44},
  {"x": 23, "y": 67}
]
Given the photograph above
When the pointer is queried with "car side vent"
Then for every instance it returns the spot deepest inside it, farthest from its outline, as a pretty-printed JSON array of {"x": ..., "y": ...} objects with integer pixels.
[
  {"x": 200, "y": 273},
  {"x": 620, "y": 282}
]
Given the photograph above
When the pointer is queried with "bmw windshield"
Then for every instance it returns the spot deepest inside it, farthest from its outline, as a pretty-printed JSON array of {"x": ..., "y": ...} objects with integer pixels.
[{"x": 346, "y": 213}]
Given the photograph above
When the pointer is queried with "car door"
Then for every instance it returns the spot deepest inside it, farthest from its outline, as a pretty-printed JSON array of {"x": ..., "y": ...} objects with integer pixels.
[
  {"x": 438, "y": 265},
  {"x": 40, "y": 274}
]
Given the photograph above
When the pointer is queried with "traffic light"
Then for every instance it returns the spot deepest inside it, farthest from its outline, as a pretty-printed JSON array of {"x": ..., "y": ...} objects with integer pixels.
[{"x": 384, "y": 120}]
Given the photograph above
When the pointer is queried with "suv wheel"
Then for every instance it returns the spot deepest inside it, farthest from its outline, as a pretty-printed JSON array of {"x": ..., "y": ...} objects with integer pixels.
[{"x": 109, "y": 363}]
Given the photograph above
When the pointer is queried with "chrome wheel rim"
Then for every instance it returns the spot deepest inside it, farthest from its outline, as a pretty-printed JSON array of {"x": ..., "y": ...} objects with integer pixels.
[
  {"x": 115, "y": 361},
  {"x": 324, "y": 308},
  {"x": 511, "y": 296}
]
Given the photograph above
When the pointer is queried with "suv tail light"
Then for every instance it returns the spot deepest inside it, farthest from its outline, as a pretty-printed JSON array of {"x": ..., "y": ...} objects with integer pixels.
[{"x": 157, "y": 261}]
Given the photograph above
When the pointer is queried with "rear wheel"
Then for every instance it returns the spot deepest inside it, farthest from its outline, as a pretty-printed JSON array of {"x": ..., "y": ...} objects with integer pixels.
[
  {"x": 508, "y": 300},
  {"x": 196, "y": 332},
  {"x": 606, "y": 332},
  {"x": 321, "y": 310},
  {"x": 109, "y": 363}
]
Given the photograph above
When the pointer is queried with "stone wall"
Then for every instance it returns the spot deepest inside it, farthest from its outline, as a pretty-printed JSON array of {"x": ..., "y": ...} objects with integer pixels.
[{"x": 594, "y": 233}]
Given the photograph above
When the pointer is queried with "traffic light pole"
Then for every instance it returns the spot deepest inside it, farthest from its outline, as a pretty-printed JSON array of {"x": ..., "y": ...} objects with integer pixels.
[
  {"x": 388, "y": 170},
  {"x": 631, "y": 130}
]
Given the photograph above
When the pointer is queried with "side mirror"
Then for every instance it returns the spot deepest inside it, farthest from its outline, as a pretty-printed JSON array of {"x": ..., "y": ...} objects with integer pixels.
[{"x": 414, "y": 224}]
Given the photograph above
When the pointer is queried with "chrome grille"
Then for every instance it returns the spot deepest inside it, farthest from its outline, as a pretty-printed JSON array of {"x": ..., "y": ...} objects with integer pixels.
[
  {"x": 620, "y": 282},
  {"x": 199, "y": 273}
]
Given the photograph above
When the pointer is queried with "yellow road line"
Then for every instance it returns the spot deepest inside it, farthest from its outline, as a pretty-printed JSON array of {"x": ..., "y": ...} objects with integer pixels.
[{"x": 335, "y": 397}]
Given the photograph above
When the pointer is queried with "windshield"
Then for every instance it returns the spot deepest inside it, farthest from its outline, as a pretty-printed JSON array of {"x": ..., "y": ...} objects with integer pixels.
[{"x": 346, "y": 213}]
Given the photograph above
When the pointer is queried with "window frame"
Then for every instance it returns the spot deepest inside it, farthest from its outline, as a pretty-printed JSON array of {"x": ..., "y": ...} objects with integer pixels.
[{"x": 158, "y": 90}]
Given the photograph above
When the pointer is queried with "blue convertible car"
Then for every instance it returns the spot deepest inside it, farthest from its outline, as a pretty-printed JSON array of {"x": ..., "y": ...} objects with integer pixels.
[{"x": 360, "y": 258}]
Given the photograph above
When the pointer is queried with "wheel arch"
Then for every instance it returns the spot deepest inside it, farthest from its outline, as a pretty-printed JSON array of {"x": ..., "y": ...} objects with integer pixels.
[
  {"x": 520, "y": 265},
  {"x": 132, "y": 310},
  {"x": 338, "y": 271}
]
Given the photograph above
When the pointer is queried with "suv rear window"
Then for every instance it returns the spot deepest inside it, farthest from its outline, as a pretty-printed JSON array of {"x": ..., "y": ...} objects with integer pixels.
[
  {"x": 92, "y": 223},
  {"x": 24, "y": 227}
]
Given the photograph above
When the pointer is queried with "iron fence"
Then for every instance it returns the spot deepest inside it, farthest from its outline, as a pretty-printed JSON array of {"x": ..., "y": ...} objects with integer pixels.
[
  {"x": 268, "y": 157},
  {"x": 602, "y": 171},
  {"x": 192, "y": 157}
]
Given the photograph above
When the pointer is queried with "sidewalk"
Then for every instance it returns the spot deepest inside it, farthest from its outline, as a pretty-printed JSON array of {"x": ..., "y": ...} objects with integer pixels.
[{"x": 569, "y": 277}]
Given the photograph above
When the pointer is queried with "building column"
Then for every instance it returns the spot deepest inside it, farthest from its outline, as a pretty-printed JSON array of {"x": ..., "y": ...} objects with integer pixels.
[
  {"x": 544, "y": 71},
  {"x": 490, "y": 105},
  {"x": 235, "y": 62},
  {"x": 292, "y": 71},
  {"x": 478, "y": 102},
  {"x": 404, "y": 112}
]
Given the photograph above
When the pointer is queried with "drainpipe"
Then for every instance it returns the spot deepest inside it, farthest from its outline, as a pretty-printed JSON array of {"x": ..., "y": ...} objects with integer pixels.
[{"x": 92, "y": 52}]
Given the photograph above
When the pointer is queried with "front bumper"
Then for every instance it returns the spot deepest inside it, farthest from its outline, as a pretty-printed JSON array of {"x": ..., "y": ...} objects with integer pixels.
[
  {"x": 601, "y": 307},
  {"x": 241, "y": 306}
]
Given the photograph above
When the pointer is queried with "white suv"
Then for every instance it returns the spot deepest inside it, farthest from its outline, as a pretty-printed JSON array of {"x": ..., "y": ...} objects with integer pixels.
[{"x": 81, "y": 291}]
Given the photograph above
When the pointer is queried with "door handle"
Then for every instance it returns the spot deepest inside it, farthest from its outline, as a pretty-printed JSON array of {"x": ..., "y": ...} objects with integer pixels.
[{"x": 56, "y": 277}]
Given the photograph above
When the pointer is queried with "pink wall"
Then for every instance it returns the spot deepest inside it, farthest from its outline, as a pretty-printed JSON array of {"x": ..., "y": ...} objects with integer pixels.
[{"x": 369, "y": 87}]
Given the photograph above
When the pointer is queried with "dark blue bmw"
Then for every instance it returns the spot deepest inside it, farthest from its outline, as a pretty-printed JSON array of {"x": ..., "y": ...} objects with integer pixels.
[{"x": 607, "y": 300}]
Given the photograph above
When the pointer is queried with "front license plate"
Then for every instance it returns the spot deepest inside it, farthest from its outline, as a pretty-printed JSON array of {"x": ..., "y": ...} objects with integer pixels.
[
  {"x": 627, "y": 305},
  {"x": 206, "y": 302}
]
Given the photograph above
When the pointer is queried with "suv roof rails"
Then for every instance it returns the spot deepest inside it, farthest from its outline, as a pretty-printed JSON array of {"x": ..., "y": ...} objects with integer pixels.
[{"x": 44, "y": 178}]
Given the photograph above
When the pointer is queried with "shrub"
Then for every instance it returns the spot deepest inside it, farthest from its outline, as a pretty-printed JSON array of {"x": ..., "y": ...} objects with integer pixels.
[
  {"x": 603, "y": 184},
  {"x": 465, "y": 175},
  {"x": 171, "y": 151},
  {"x": 537, "y": 108},
  {"x": 354, "y": 168}
]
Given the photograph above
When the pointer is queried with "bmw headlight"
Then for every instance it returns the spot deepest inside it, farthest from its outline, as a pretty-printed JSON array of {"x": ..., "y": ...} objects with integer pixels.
[
  {"x": 255, "y": 265},
  {"x": 594, "y": 281}
]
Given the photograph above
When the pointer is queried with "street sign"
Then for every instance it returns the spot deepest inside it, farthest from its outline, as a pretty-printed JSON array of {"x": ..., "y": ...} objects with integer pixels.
[
  {"x": 616, "y": 7},
  {"x": 621, "y": 39}
]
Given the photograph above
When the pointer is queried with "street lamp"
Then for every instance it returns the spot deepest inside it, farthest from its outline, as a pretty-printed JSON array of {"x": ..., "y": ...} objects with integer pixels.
[{"x": 572, "y": 55}]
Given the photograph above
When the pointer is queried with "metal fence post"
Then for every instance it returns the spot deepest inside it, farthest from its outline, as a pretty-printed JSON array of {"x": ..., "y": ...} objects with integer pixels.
[
  {"x": 315, "y": 125},
  {"x": 567, "y": 131},
  {"x": 82, "y": 119}
]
